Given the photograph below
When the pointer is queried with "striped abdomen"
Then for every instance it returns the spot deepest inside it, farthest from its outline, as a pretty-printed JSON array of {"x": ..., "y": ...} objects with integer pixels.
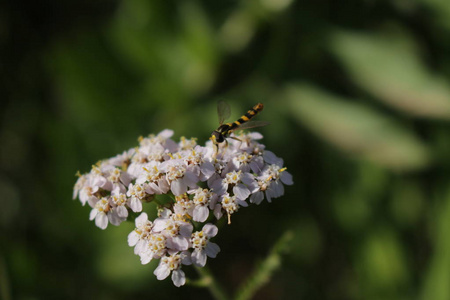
[{"x": 245, "y": 118}]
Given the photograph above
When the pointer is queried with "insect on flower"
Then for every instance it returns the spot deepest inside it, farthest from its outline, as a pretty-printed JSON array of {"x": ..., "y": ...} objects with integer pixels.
[
  {"x": 221, "y": 134},
  {"x": 121, "y": 185}
]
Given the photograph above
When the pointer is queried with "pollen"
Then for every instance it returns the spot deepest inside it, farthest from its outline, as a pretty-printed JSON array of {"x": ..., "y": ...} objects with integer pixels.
[
  {"x": 103, "y": 205},
  {"x": 96, "y": 169},
  {"x": 233, "y": 177},
  {"x": 199, "y": 240},
  {"x": 115, "y": 175},
  {"x": 244, "y": 158}
]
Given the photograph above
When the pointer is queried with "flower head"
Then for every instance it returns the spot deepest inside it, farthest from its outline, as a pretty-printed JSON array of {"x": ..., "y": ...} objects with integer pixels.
[
  {"x": 202, "y": 246},
  {"x": 172, "y": 263},
  {"x": 198, "y": 180}
]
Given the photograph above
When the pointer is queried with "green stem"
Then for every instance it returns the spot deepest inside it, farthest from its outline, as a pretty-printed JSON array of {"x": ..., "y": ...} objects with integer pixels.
[
  {"x": 4, "y": 282},
  {"x": 207, "y": 280},
  {"x": 264, "y": 270}
]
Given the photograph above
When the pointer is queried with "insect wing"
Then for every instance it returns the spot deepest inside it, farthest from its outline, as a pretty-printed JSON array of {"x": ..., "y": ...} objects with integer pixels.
[
  {"x": 252, "y": 124},
  {"x": 223, "y": 111}
]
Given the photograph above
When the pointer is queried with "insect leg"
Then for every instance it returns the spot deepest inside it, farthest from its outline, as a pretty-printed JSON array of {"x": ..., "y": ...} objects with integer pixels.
[
  {"x": 215, "y": 145},
  {"x": 235, "y": 138}
]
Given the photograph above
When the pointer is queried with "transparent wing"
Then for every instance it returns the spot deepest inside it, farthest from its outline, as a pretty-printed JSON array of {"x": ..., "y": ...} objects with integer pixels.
[
  {"x": 252, "y": 124},
  {"x": 223, "y": 111}
]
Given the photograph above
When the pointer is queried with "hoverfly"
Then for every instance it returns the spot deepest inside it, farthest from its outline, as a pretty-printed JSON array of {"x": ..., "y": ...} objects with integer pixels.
[{"x": 220, "y": 135}]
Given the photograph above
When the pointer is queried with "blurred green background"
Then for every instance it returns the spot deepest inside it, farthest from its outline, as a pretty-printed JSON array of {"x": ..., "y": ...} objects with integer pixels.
[{"x": 358, "y": 97}]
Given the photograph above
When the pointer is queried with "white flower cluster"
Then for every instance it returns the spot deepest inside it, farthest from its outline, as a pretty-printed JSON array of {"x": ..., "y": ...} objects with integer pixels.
[{"x": 200, "y": 181}]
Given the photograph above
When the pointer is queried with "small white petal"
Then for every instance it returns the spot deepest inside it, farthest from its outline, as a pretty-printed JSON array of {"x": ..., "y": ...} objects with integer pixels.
[
  {"x": 252, "y": 185},
  {"x": 268, "y": 195},
  {"x": 198, "y": 258},
  {"x": 257, "y": 164},
  {"x": 277, "y": 188},
  {"x": 99, "y": 181},
  {"x": 114, "y": 218},
  {"x": 186, "y": 258},
  {"x": 241, "y": 191},
  {"x": 210, "y": 230},
  {"x": 135, "y": 204},
  {"x": 212, "y": 249},
  {"x": 122, "y": 212},
  {"x": 230, "y": 167},
  {"x": 186, "y": 230},
  {"x": 133, "y": 238},
  {"x": 92, "y": 201},
  {"x": 255, "y": 135},
  {"x": 101, "y": 220},
  {"x": 159, "y": 224},
  {"x": 241, "y": 202},
  {"x": 163, "y": 185},
  {"x": 286, "y": 178},
  {"x": 141, "y": 179},
  {"x": 257, "y": 197},
  {"x": 116, "y": 190},
  {"x": 190, "y": 179},
  {"x": 195, "y": 170},
  {"x": 141, "y": 220},
  {"x": 152, "y": 188},
  {"x": 75, "y": 194},
  {"x": 211, "y": 181},
  {"x": 207, "y": 168},
  {"x": 178, "y": 187},
  {"x": 178, "y": 278},
  {"x": 218, "y": 211},
  {"x": 93, "y": 214},
  {"x": 200, "y": 213},
  {"x": 140, "y": 246},
  {"x": 130, "y": 187},
  {"x": 134, "y": 169},
  {"x": 213, "y": 201},
  {"x": 125, "y": 178},
  {"x": 166, "y": 133},
  {"x": 218, "y": 186},
  {"x": 84, "y": 197},
  {"x": 171, "y": 146},
  {"x": 271, "y": 158},
  {"x": 177, "y": 243},
  {"x": 162, "y": 271},
  {"x": 247, "y": 178},
  {"x": 146, "y": 258}
]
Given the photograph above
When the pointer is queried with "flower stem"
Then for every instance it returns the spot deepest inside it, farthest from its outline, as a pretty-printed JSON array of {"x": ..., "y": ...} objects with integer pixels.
[
  {"x": 5, "y": 292},
  {"x": 265, "y": 269},
  {"x": 208, "y": 280}
]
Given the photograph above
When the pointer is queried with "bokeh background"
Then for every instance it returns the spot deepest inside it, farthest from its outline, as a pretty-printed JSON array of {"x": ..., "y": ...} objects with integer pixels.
[{"x": 358, "y": 97}]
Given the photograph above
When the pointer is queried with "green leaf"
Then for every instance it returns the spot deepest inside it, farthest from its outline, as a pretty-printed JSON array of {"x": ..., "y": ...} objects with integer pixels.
[
  {"x": 389, "y": 67},
  {"x": 382, "y": 265},
  {"x": 356, "y": 128},
  {"x": 441, "y": 11},
  {"x": 437, "y": 277}
]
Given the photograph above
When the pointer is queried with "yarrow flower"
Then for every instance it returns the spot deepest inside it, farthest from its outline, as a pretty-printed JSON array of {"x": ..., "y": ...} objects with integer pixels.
[
  {"x": 204, "y": 184},
  {"x": 202, "y": 246}
]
